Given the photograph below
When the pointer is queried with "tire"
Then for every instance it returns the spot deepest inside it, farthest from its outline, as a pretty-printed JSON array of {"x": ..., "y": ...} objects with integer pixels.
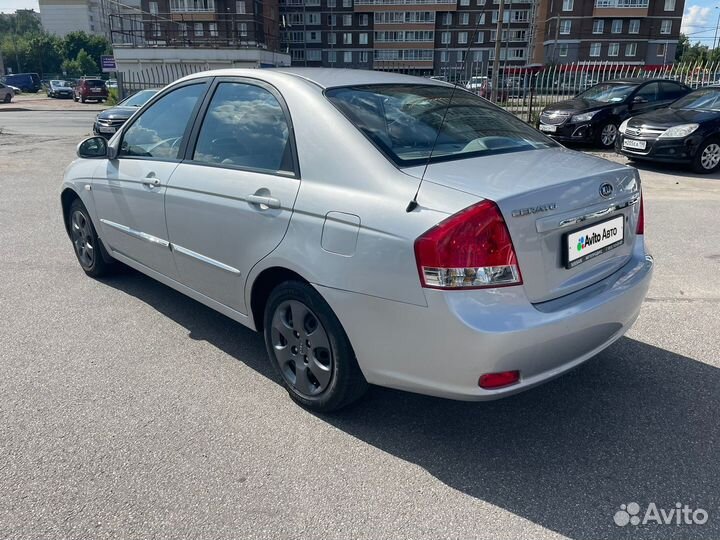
[
  {"x": 87, "y": 247},
  {"x": 82, "y": 99},
  {"x": 75, "y": 98},
  {"x": 303, "y": 336},
  {"x": 707, "y": 157},
  {"x": 7, "y": 98},
  {"x": 606, "y": 135}
]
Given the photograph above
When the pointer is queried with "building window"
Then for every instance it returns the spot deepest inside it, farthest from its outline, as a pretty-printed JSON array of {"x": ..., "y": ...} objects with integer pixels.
[
  {"x": 661, "y": 49},
  {"x": 595, "y": 49},
  {"x": 464, "y": 18},
  {"x": 363, "y": 38},
  {"x": 444, "y": 57},
  {"x": 364, "y": 19},
  {"x": 199, "y": 31},
  {"x": 242, "y": 29},
  {"x": 598, "y": 26},
  {"x": 347, "y": 38},
  {"x": 240, "y": 7},
  {"x": 332, "y": 21},
  {"x": 480, "y": 2},
  {"x": 613, "y": 49},
  {"x": 312, "y": 37},
  {"x": 464, "y": 2},
  {"x": 347, "y": 3},
  {"x": 634, "y": 26},
  {"x": 192, "y": 5},
  {"x": 563, "y": 49},
  {"x": 480, "y": 19},
  {"x": 331, "y": 3},
  {"x": 332, "y": 57},
  {"x": 669, "y": 5},
  {"x": 347, "y": 20},
  {"x": 616, "y": 26},
  {"x": 480, "y": 38},
  {"x": 565, "y": 27},
  {"x": 567, "y": 5},
  {"x": 630, "y": 49},
  {"x": 332, "y": 38},
  {"x": 156, "y": 30},
  {"x": 312, "y": 2},
  {"x": 347, "y": 57},
  {"x": 447, "y": 19},
  {"x": 314, "y": 55},
  {"x": 212, "y": 27},
  {"x": 461, "y": 56},
  {"x": 666, "y": 27},
  {"x": 363, "y": 57},
  {"x": 445, "y": 38},
  {"x": 462, "y": 37},
  {"x": 153, "y": 8},
  {"x": 312, "y": 19}
]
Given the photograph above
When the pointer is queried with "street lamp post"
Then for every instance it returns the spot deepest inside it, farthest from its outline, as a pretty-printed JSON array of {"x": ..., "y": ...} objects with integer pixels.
[{"x": 716, "y": 28}]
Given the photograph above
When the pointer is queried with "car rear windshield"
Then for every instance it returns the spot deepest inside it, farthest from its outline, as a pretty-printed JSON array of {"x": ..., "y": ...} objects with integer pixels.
[
  {"x": 608, "y": 93},
  {"x": 403, "y": 122},
  {"x": 707, "y": 99},
  {"x": 95, "y": 83}
]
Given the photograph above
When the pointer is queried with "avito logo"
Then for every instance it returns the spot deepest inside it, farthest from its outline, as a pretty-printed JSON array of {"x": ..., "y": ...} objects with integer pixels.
[{"x": 594, "y": 238}]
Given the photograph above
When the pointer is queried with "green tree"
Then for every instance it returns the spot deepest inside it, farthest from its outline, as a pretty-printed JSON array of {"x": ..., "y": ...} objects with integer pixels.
[
  {"x": 87, "y": 65},
  {"x": 682, "y": 46}
]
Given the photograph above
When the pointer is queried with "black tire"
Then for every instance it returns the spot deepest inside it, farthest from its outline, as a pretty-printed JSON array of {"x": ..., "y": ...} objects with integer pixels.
[
  {"x": 92, "y": 257},
  {"x": 75, "y": 98},
  {"x": 7, "y": 98},
  {"x": 707, "y": 157},
  {"x": 82, "y": 99},
  {"x": 346, "y": 382},
  {"x": 600, "y": 136}
]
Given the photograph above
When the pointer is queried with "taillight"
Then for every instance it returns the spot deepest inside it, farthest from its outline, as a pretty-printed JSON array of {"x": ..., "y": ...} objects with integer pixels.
[
  {"x": 641, "y": 218},
  {"x": 470, "y": 249},
  {"x": 491, "y": 381}
]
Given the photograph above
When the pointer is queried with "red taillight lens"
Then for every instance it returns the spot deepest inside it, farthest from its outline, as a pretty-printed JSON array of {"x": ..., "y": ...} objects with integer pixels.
[
  {"x": 498, "y": 380},
  {"x": 468, "y": 250},
  {"x": 641, "y": 218}
]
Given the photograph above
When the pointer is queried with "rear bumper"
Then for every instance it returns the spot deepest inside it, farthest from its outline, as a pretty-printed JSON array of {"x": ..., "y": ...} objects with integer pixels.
[{"x": 442, "y": 349}]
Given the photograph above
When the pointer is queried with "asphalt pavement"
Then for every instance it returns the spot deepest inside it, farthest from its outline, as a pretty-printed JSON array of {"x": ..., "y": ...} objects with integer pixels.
[{"x": 130, "y": 411}]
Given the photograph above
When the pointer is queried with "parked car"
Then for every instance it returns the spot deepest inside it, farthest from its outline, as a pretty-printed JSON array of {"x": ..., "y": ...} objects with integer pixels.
[
  {"x": 6, "y": 93},
  {"x": 27, "y": 82},
  {"x": 109, "y": 121},
  {"x": 594, "y": 115},
  {"x": 59, "y": 89},
  {"x": 688, "y": 132},
  {"x": 90, "y": 89},
  {"x": 293, "y": 201},
  {"x": 111, "y": 83},
  {"x": 482, "y": 86},
  {"x": 15, "y": 89}
]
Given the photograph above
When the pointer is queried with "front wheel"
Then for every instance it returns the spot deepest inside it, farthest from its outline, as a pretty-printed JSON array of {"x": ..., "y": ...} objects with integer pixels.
[
  {"x": 7, "y": 99},
  {"x": 86, "y": 242},
  {"x": 310, "y": 350},
  {"x": 707, "y": 158},
  {"x": 607, "y": 134}
]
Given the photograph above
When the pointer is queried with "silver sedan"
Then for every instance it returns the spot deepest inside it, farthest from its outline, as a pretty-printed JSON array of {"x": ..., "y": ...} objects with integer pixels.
[{"x": 377, "y": 228}]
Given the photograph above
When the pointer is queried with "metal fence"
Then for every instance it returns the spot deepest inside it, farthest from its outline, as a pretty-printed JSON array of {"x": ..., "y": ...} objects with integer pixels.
[{"x": 522, "y": 91}]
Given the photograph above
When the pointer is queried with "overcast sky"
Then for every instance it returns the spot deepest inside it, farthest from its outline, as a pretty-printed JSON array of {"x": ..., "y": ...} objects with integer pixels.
[{"x": 699, "y": 21}]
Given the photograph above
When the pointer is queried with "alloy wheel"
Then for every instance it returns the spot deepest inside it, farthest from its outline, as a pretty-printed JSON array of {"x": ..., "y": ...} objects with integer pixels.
[
  {"x": 710, "y": 156},
  {"x": 82, "y": 237},
  {"x": 608, "y": 134},
  {"x": 302, "y": 348}
]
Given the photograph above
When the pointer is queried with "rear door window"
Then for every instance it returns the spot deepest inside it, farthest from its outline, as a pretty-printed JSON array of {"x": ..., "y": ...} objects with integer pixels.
[
  {"x": 671, "y": 91},
  {"x": 650, "y": 92}
]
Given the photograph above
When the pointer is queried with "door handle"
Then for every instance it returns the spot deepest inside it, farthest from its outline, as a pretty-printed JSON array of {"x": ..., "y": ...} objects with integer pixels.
[
  {"x": 151, "y": 181},
  {"x": 263, "y": 202}
]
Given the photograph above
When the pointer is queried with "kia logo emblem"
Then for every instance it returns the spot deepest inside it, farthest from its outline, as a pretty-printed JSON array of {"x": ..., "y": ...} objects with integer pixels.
[{"x": 606, "y": 190}]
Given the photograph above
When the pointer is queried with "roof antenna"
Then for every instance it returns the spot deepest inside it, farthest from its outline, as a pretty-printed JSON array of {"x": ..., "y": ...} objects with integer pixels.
[{"x": 413, "y": 204}]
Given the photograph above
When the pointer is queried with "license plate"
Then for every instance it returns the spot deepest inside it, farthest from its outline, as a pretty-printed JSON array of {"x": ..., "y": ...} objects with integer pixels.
[
  {"x": 95, "y": 89},
  {"x": 547, "y": 128},
  {"x": 637, "y": 145},
  {"x": 590, "y": 242},
  {"x": 103, "y": 129}
]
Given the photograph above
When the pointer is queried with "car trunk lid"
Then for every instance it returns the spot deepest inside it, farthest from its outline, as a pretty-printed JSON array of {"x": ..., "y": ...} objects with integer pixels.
[{"x": 545, "y": 196}]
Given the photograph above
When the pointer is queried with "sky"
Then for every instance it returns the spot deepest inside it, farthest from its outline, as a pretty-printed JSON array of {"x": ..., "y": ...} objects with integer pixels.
[{"x": 699, "y": 20}]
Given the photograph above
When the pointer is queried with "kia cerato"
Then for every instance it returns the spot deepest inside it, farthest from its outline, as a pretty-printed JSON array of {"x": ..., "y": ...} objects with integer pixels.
[{"x": 376, "y": 228}]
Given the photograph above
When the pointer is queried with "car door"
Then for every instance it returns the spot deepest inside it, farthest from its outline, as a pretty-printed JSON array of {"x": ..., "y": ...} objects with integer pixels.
[
  {"x": 229, "y": 203},
  {"x": 129, "y": 191},
  {"x": 646, "y": 98},
  {"x": 671, "y": 91}
]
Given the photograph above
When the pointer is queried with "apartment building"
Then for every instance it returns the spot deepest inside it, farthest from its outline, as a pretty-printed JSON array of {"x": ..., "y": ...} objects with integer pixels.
[
  {"x": 627, "y": 31},
  {"x": 432, "y": 37}
]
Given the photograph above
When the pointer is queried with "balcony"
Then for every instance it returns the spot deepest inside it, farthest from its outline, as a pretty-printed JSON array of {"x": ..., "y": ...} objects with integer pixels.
[
  {"x": 400, "y": 5},
  {"x": 621, "y": 8},
  {"x": 192, "y": 6}
]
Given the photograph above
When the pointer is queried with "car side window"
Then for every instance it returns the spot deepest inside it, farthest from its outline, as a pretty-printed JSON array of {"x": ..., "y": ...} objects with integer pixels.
[
  {"x": 671, "y": 91},
  {"x": 245, "y": 126},
  {"x": 649, "y": 92},
  {"x": 159, "y": 130}
]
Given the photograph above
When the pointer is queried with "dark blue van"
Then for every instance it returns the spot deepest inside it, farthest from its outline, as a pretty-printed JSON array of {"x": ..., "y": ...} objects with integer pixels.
[{"x": 27, "y": 82}]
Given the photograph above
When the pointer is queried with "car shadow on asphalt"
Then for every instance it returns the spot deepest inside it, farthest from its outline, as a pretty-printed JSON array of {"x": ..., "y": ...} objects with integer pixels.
[{"x": 635, "y": 424}]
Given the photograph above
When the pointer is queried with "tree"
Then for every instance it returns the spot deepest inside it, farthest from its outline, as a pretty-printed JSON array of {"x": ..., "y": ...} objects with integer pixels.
[
  {"x": 87, "y": 65},
  {"x": 94, "y": 46},
  {"x": 682, "y": 46}
]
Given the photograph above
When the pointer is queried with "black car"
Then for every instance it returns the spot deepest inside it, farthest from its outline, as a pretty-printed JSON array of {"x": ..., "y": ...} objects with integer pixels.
[
  {"x": 108, "y": 121},
  {"x": 27, "y": 82},
  {"x": 594, "y": 115},
  {"x": 688, "y": 132},
  {"x": 59, "y": 89}
]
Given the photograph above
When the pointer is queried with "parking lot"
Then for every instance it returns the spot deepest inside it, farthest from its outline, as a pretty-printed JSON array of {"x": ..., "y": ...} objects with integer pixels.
[{"x": 128, "y": 410}]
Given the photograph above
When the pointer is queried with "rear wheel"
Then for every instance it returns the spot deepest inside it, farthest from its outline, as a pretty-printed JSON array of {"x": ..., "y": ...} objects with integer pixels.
[
  {"x": 7, "y": 98},
  {"x": 707, "y": 158},
  {"x": 86, "y": 242},
  {"x": 607, "y": 134},
  {"x": 82, "y": 99},
  {"x": 310, "y": 350}
]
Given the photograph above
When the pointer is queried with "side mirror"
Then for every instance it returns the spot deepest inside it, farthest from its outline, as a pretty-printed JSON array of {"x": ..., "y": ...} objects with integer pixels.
[
  {"x": 638, "y": 100},
  {"x": 93, "y": 148}
]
